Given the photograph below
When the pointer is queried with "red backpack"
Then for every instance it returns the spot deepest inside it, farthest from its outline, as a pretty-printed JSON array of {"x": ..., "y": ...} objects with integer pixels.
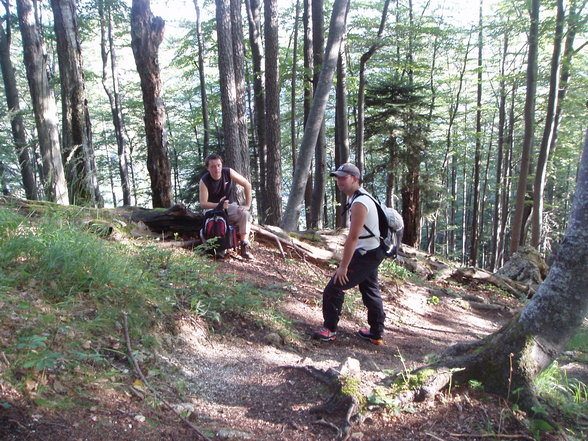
[{"x": 216, "y": 231}]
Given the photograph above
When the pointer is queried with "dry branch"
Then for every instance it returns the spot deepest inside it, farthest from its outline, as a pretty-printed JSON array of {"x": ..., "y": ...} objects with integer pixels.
[{"x": 151, "y": 388}]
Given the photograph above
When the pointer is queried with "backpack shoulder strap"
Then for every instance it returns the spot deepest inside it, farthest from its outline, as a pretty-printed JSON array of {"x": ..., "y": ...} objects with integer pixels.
[{"x": 381, "y": 215}]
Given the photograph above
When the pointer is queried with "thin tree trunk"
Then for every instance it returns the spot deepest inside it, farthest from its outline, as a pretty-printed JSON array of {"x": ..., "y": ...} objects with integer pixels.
[
  {"x": 316, "y": 115},
  {"x": 475, "y": 240},
  {"x": 411, "y": 199},
  {"x": 548, "y": 131},
  {"x": 320, "y": 152},
  {"x": 253, "y": 14},
  {"x": 293, "y": 91},
  {"x": 449, "y": 153},
  {"x": 574, "y": 21},
  {"x": 78, "y": 150},
  {"x": 497, "y": 239},
  {"x": 23, "y": 151},
  {"x": 359, "y": 134},
  {"x": 202, "y": 78},
  {"x": 341, "y": 132},
  {"x": 44, "y": 106},
  {"x": 114, "y": 97},
  {"x": 272, "y": 106},
  {"x": 517, "y": 227}
]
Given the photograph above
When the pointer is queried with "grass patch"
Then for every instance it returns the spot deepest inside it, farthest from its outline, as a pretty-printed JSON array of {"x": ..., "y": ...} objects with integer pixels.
[
  {"x": 63, "y": 292},
  {"x": 567, "y": 396}
]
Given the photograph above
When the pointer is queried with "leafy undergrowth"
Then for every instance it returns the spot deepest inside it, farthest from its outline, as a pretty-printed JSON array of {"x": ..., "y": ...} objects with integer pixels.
[{"x": 65, "y": 295}]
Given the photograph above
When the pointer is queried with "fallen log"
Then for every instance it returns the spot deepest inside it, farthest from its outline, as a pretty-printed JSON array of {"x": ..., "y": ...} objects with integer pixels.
[
  {"x": 518, "y": 289},
  {"x": 176, "y": 220}
]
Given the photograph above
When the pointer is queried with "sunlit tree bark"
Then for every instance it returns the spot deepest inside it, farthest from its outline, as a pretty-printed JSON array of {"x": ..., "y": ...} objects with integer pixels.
[
  {"x": 77, "y": 146},
  {"x": 146, "y": 36},
  {"x": 23, "y": 151},
  {"x": 44, "y": 106}
]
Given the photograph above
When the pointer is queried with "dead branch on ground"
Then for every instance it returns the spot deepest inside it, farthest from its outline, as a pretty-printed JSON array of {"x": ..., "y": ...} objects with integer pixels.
[{"x": 150, "y": 387}]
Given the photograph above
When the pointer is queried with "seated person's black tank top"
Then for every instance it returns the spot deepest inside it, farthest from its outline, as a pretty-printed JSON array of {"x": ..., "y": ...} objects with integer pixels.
[{"x": 220, "y": 188}]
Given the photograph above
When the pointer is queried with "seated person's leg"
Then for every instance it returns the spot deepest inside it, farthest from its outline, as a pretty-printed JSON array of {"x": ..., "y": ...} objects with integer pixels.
[{"x": 242, "y": 220}]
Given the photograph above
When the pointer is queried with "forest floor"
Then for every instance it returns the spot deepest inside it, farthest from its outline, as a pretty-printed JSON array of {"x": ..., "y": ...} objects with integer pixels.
[{"x": 239, "y": 381}]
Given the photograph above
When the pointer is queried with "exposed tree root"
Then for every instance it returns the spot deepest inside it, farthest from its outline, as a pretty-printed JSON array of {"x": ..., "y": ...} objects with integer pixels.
[{"x": 341, "y": 402}]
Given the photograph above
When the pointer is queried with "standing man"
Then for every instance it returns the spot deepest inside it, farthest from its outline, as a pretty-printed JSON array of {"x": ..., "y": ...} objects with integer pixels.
[
  {"x": 215, "y": 186},
  {"x": 362, "y": 254}
]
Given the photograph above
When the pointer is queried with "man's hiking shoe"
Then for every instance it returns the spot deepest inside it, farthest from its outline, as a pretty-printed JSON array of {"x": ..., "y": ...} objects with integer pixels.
[
  {"x": 244, "y": 250},
  {"x": 325, "y": 334},
  {"x": 370, "y": 337}
]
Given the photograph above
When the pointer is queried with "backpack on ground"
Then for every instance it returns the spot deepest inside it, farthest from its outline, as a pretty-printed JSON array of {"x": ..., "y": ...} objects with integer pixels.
[
  {"x": 216, "y": 231},
  {"x": 389, "y": 222}
]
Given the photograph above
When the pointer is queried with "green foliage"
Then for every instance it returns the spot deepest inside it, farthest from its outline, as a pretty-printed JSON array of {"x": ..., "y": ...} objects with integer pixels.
[
  {"x": 433, "y": 300},
  {"x": 390, "y": 269}
]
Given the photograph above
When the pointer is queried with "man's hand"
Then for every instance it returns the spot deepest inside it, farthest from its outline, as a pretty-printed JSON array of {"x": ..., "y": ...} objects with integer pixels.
[{"x": 340, "y": 276}]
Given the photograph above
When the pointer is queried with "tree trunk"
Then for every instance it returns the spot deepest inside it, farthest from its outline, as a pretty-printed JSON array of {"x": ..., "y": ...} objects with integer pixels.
[
  {"x": 202, "y": 78},
  {"x": 253, "y": 14},
  {"x": 293, "y": 91},
  {"x": 316, "y": 115},
  {"x": 359, "y": 134},
  {"x": 548, "y": 132},
  {"x": 229, "y": 88},
  {"x": 78, "y": 150},
  {"x": 44, "y": 105},
  {"x": 411, "y": 203},
  {"x": 341, "y": 132},
  {"x": 242, "y": 153},
  {"x": 23, "y": 152},
  {"x": 114, "y": 97},
  {"x": 565, "y": 72},
  {"x": 475, "y": 239},
  {"x": 320, "y": 152},
  {"x": 272, "y": 107},
  {"x": 146, "y": 36},
  {"x": 517, "y": 227},
  {"x": 449, "y": 154},
  {"x": 497, "y": 240},
  {"x": 308, "y": 88}
]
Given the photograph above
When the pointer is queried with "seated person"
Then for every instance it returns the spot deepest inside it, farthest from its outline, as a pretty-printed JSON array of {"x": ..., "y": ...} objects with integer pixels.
[{"x": 215, "y": 186}]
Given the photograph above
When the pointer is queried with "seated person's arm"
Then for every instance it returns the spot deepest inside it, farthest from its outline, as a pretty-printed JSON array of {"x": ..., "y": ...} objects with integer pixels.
[{"x": 239, "y": 179}]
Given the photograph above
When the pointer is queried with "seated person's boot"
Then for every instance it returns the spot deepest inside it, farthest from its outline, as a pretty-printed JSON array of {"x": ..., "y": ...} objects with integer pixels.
[{"x": 245, "y": 250}]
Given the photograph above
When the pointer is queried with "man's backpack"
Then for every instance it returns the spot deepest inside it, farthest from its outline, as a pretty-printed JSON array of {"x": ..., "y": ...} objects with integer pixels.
[
  {"x": 216, "y": 231},
  {"x": 389, "y": 222}
]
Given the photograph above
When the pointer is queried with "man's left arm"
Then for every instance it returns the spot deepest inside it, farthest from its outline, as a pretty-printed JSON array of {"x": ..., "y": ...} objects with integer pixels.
[{"x": 240, "y": 179}]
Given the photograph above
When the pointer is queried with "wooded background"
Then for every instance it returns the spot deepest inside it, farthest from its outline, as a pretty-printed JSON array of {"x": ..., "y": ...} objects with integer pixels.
[{"x": 472, "y": 131}]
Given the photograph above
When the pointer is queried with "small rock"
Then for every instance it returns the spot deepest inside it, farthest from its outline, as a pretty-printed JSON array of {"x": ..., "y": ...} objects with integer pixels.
[
  {"x": 59, "y": 388},
  {"x": 274, "y": 339},
  {"x": 233, "y": 435},
  {"x": 350, "y": 368},
  {"x": 139, "y": 418},
  {"x": 357, "y": 435}
]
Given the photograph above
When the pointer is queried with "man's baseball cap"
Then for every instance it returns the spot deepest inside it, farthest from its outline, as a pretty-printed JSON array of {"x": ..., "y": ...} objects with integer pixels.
[{"x": 346, "y": 169}]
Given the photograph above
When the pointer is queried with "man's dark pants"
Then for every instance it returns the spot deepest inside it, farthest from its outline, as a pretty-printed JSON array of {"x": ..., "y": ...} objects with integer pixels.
[{"x": 362, "y": 272}]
